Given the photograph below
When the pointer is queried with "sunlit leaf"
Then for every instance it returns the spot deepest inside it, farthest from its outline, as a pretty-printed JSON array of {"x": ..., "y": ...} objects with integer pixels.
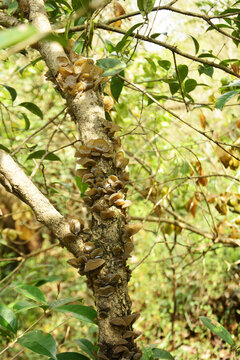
[
  {"x": 111, "y": 66},
  {"x": 86, "y": 346},
  {"x": 196, "y": 44},
  {"x": 32, "y": 292},
  {"x": 40, "y": 343},
  {"x": 8, "y": 319},
  {"x": 206, "y": 69},
  {"x": 81, "y": 185},
  {"x": 165, "y": 64},
  {"x": 217, "y": 329},
  {"x": 122, "y": 42},
  {"x": 145, "y": 6},
  {"x": 84, "y": 313},
  {"x": 33, "y": 108},
  {"x": 39, "y": 154},
  {"x": 11, "y": 37},
  {"x": 182, "y": 71},
  {"x": 24, "y": 305},
  {"x": 222, "y": 100},
  {"x": 190, "y": 85},
  {"x": 116, "y": 85},
  {"x": 70, "y": 356},
  {"x": 11, "y": 91},
  {"x": 162, "y": 354}
]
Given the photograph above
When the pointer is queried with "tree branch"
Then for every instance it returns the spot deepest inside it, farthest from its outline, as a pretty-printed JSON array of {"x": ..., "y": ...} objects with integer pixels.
[
  {"x": 8, "y": 21},
  {"x": 16, "y": 182}
]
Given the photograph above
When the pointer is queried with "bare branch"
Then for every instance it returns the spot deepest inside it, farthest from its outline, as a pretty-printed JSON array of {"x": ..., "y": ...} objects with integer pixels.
[
  {"x": 8, "y": 21},
  {"x": 19, "y": 184}
]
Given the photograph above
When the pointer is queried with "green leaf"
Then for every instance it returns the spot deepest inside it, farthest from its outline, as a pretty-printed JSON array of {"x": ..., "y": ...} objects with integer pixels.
[
  {"x": 182, "y": 71},
  {"x": 81, "y": 185},
  {"x": 145, "y": 6},
  {"x": 33, "y": 108},
  {"x": 39, "y": 154},
  {"x": 217, "y": 329},
  {"x": 205, "y": 55},
  {"x": 8, "y": 319},
  {"x": 84, "y": 313},
  {"x": 235, "y": 83},
  {"x": 173, "y": 86},
  {"x": 185, "y": 168},
  {"x": 196, "y": 44},
  {"x": 11, "y": 91},
  {"x": 4, "y": 148},
  {"x": 24, "y": 305},
  {"x": 190, "y": 85},
  {"x": 40, "y": 343},
  {"x": 206, "y": 69},
  {"x": 47, "y": 279},
  {"x": 80, "y": 5},
  {"x": 155, "y": 35},
  {"x": 165, "y": 64},
  {"x": 122, "y": 42},
  {"x": 70, "y": 356},
  {"x": 221, "y": 101},
  {"x": 32, "y": 292},
  {"x": 111, "y": 66},
  {"x": 11, "y": 37},
  {"x": 151, "y": 63},
  {"x": 162, "y": 354},
  {"x": 219, "y": 26},
  {"x": 12, "y": 7},
  {"x": 86, "y": 346},
  {"x": 27, "y": 122},
  {"x": 116, "y": 86},
  {"x": 63, "y": 2},
  {"x": 64, "y": 301}
]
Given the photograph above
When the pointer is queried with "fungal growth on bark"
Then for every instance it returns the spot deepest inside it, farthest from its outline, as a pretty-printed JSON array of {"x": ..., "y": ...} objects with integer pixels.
[{"x": 107, "y": 242}]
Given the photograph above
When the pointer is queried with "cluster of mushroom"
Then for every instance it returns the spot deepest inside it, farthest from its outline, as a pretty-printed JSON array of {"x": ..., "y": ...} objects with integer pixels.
[{"x": 78, "y": 74}]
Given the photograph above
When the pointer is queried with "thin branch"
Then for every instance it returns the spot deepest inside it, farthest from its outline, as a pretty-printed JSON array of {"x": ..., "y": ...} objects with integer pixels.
[{"x": 178, "y": 117}]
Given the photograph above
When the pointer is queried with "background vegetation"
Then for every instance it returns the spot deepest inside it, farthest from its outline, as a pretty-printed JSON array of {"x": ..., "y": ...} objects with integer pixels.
[{"x": 184, "y": 186}]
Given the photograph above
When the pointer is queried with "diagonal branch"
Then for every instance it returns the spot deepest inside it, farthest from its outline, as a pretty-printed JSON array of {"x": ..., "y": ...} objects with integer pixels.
[
  {"x": 16, "y": 182},
  {"x": 8, "y": 20}
]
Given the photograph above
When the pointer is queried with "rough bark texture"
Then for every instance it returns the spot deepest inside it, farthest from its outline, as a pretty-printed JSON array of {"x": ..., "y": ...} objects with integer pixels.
[{"x": 101, "y": 251}]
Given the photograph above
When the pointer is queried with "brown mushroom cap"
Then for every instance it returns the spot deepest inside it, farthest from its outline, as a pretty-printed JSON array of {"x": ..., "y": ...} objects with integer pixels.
[
  {"x": 76, "y": 226},
  {"x": 73, "y": 262},
  {"x": 118, "y": 322},
  {"x": 66, "y": 70},
  {"x": 88, "y": 201},
  {"x": 114, "y": 197},
  {"x": 106, "y": 291},
  {"x": 128, "y": 334},
  {"x": 83, "y": 150},
  {"x": 87, "y": 162},
  {"x": 107, "y": 214},
  {"x": 96, "y": 252},
  {"x": 93, "y": 264},
  {"x": 119, "y": 349},
  {"x": 101, "y": 145},
  {"x": 81, "y": 172},
  {"x": 126, "y": 204},
  {"x": 132, "y": 229},
  {"x": 89, "y": 246},
  {"x": 119, "y": 202},
  {"x": 62, "y": 60},
  {"x": 129, "y": 319},
  {"x": 121, "y": 342},
  {"x": 137, "y": 356}
]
